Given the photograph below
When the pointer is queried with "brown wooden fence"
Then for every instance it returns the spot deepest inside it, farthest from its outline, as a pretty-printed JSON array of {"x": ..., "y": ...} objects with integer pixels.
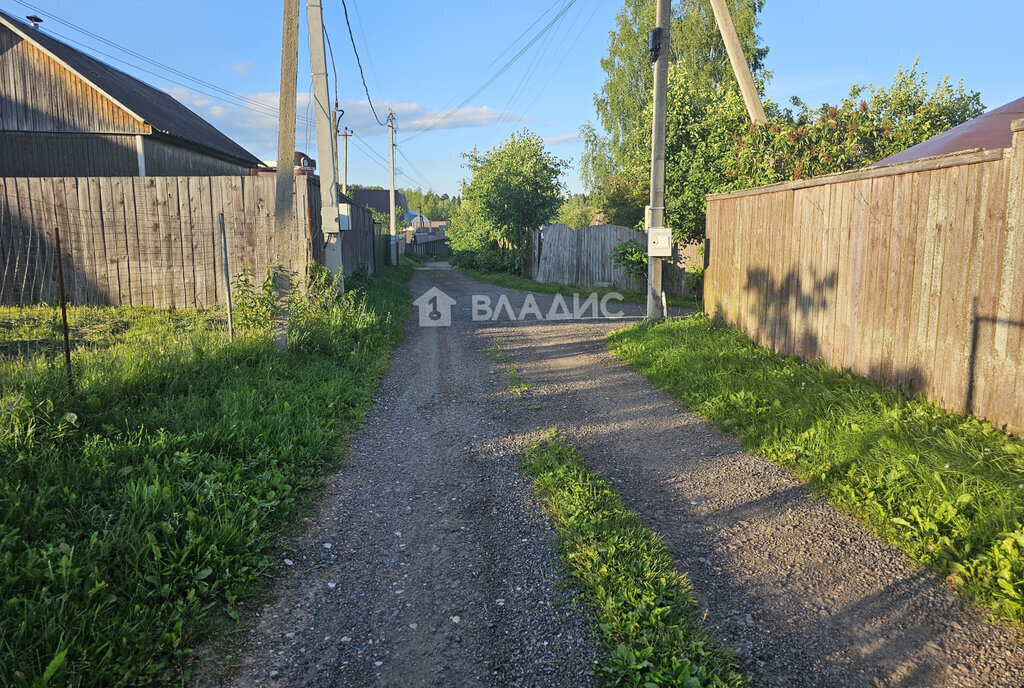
[
  {"x": 912, "y": 274},
  {"x": 156, "y": 241}
]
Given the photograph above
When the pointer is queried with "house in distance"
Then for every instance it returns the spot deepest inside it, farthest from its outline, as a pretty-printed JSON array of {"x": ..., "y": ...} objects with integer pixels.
[{"x": 66, "y": 114}]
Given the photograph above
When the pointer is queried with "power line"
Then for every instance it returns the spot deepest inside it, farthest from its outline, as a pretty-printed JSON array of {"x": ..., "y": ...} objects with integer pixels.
[
  {"x": 505, "y": 68},
  {"x": 422, "y": 178},
  {"x": 359, "y": 62}
]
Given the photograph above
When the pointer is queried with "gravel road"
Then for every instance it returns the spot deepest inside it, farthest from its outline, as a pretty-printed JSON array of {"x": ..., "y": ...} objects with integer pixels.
[{"x": 428, "y": 563}]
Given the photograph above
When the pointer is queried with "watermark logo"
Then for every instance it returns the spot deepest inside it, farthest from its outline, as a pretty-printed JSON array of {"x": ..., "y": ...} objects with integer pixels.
[
  {"x": 485, "y": 308},
  {"x": 435, "y": 308}
]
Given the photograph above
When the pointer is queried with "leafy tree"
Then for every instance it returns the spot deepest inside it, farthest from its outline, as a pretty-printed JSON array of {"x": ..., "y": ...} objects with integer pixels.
[
  {"x": 699, "y": 141},
  {"x": 577, "y": 211},
  {"x": 432, "y": 205},
  {"x": 624, "y": 199},
  {"x": 622, "y": 105},
  {"x": 515, "y": 188},
  {"x": 853, "y": 134}
]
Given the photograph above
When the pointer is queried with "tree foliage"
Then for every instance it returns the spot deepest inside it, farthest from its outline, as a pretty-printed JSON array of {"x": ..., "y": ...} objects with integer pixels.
[
  {"x": 712, "y": 147},
  {"x": 576, "y": 211},
  {"x": 515, "y": 187},
  {"x": 432, "y": 205},
  {"x": 623, "y": 103},
  {"x": 855, "y": 133}
]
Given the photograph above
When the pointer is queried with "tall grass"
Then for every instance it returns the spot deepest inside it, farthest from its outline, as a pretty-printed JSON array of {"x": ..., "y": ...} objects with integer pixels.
[
  {"x": 138, "y": 513},
  {"x": 947, "y": 489}
]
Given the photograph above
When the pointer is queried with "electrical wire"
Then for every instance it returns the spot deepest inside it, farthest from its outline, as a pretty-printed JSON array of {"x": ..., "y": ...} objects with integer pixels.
[
  {"x": 359, "y": 62},
  {"x": 504, "y": 68},
  {"x": 334, "y": 66}
]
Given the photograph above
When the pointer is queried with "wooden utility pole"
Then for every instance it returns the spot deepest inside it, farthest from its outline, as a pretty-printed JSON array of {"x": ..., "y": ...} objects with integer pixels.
[
  {"x": 330, "y": 223},
  {"x": 656, "y": 214},
  {"x": 284, "y": 196},
  {"x": 391, "y": 159},
  {"x": 344, "y": 160},
  {"x": 739, "y": 62}
]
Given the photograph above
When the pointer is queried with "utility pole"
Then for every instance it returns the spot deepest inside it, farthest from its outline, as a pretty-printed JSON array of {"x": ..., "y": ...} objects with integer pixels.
[
  {"x": 330, "y": 219},
  {"x": 285, "y": 189},
  {"x": 344, "y": 160},
  {"x": 739, "y": 62},
  {"x": 391, "y": 158},
  {"x": 656, "y": 213}
]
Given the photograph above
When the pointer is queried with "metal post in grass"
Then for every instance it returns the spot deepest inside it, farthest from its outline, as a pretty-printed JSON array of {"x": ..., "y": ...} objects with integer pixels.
[
  {"x": 63, "y": 308},
  {"x": 227, "y": 275}
]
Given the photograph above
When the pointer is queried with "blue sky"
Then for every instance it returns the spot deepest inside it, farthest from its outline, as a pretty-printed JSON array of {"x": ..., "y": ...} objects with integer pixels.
[{"x": 423, "y": 58}]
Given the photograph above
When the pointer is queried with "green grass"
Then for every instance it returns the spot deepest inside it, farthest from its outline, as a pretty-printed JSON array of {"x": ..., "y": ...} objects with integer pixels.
[
  {"x": 650, "y": 627},
  {"x": 945, "y": 488},
  {"x": 503, "y": 279},
  {"x": 137, "y": 515}
]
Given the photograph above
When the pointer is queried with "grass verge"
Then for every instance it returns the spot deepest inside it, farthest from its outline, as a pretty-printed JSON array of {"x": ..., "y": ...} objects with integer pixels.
[
  {"x": 945, "y": 488},
  {"x": 136, "y": 515},
  {"x": 650, "y": 627},
  {"x": 502, "y": 279}
]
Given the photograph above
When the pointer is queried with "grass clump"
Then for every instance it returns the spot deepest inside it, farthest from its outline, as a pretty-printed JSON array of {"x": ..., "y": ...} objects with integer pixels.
[
  {"x": 504, "y": 279},
  {"x": 649, "y": 623},
  {"x": 137, "y": 514},
  {"x": 947, "y": 489}
]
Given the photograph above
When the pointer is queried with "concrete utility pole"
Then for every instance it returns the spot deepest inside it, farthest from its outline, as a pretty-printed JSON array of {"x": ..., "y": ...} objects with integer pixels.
[
  {"x": 344, "y": 160},
  {"x": 739, "y": 62},
  {"x": 330, "y": 219},
  {"x": 656, "y": 214},
  {"x": 391, "y": 159},
  {"x": 285, "y": 190}
]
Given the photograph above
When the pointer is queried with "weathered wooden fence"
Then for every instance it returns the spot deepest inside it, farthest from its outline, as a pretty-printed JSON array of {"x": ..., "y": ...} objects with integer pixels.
[
  {"x": 434, "y": 247},
  {"x": 912, "y": 274},
  {"x": 564, "y": 255},
  {"x": 156, "y": 241}
]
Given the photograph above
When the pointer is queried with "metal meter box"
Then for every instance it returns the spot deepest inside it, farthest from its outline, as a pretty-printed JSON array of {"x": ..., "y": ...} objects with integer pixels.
[
  {"x": 334, "y": 219},
  {"x": 659, "y": 242}
]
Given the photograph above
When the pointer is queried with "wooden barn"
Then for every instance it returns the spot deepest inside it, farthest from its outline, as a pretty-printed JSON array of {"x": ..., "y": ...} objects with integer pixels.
[{"x": 66, "y": 114}]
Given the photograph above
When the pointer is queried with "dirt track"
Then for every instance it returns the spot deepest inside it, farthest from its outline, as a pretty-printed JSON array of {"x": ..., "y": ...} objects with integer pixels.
[{"x": 443, "y": 570}]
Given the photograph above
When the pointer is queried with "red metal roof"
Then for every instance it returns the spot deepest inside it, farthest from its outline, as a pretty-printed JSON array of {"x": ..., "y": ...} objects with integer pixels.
[{"x": 991, "y": 130}]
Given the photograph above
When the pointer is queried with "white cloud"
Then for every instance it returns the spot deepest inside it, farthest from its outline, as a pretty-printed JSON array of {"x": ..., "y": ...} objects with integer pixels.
[
  {"x": 254, "y": 124},
  {"x": 561, "y": 139},
  {"x": 244, "y": 67}
]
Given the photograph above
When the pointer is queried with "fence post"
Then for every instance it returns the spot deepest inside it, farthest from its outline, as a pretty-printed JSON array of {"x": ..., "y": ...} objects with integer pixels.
[
  {"x": 63, "y": 308},
  {"x": 227, "y": 275}
]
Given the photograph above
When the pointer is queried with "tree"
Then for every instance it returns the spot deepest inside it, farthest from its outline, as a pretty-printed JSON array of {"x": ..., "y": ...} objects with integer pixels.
[
  {"x": 622, "y": 105},
  {"x": 853, "y": 134},
  {"x": 624, "y": 199},
  {"x": 430, "y": 204},
  {"x": 515, "y": 187},
  {"x": 577, "y": 211}
]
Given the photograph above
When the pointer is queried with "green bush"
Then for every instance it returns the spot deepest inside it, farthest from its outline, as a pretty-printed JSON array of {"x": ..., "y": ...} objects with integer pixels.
[{"x": 631, "y": 256}]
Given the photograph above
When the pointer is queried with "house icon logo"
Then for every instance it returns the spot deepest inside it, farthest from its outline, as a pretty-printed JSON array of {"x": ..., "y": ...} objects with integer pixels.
[{"x": 435, "y": 308}]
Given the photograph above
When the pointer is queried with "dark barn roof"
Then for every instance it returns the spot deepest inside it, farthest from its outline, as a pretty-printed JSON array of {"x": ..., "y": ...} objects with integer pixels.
[
  {"x": 379, "y": 199},
  {"x": 988, "y": 131},
  {"x": 157, "y": 108}
]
